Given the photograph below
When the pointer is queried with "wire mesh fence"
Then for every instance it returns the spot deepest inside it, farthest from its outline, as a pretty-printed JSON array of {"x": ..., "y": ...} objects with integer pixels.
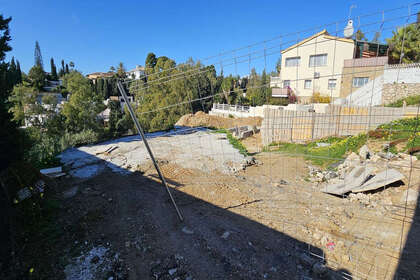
[{"x": 342, "y": 177}]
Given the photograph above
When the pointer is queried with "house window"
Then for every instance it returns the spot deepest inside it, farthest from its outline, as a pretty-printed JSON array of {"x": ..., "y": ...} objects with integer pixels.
[
  {"x": 360, "y": 81},
  {"x": 318, "y": 60},
  {"x": 308, "y": 84},
  {"x": 293, "y": 61},
  {"x": 286, "y": 83},
  {"x": 332, "y": 83}
]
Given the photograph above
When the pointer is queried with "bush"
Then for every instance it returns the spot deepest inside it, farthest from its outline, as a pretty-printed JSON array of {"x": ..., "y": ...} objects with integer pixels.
[
  {"x": 43, "y": 148},
  {"x": 87, "y": 136},
  {"x": 318, "y": 98},
  {"x": 411, "y": 100}
]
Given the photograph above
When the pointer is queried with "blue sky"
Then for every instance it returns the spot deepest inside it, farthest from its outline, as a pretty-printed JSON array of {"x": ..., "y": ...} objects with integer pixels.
[{"x": 98, "y": 34}]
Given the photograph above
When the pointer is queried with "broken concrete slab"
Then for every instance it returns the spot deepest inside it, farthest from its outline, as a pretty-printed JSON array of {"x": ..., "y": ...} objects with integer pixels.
[
  {"x": 54, "y": 172},
  {"x": 351, "y": 181},
  {"x": 380, "y": 180}
]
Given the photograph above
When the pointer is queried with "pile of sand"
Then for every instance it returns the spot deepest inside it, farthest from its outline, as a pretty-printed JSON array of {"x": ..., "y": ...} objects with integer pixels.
[{"x": 202, "y": 119}]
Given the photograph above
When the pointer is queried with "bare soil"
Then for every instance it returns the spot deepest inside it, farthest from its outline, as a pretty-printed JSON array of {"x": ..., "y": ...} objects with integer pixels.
[
  {"x": 264, "y": 222},
  {"x": 203, "y": 119}
]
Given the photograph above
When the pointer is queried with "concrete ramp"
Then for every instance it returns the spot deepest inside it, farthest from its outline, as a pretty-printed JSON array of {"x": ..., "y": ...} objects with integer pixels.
[
  {"x": 352, "y": 181},
  {"x": 380, "y": 180}
]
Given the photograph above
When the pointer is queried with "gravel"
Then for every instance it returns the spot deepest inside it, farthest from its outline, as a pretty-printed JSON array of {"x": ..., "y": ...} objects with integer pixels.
[{"x": 188, "y": 147}]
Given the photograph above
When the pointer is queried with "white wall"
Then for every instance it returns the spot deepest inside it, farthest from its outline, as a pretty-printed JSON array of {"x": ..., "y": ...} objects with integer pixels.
[{"x": 337, "y": 50}]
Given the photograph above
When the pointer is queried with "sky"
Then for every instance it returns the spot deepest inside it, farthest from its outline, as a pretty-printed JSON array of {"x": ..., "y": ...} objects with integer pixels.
[{"x": 98, "y": 34}]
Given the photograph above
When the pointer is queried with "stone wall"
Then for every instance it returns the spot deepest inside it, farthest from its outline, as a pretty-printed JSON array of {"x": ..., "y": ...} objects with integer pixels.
[{"x": 394, "y": 92}]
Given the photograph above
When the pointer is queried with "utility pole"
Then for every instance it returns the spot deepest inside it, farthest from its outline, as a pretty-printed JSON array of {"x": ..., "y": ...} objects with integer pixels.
[{"x": 146, "y": 144}]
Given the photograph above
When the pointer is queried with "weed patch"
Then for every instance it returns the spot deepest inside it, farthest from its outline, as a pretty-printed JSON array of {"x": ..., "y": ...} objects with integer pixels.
[{"x": 233, "y": 141}]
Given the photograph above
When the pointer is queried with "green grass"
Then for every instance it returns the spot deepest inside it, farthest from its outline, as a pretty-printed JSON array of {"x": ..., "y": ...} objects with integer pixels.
[
  {"x": 233, "y": 141},
  {"x": 411, "y": 100},
  {"x": 323, "y": 156},
  {"x": 408, "y": 128}
]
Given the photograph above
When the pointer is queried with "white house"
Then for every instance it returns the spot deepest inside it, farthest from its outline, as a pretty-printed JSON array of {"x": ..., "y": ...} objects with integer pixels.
[
  {"x": 136, "y": 73},
  {"x": 314, "y": 65}
]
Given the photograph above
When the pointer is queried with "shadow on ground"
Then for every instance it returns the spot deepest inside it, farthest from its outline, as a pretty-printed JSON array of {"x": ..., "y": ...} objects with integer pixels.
[
  {"x": 409, "y": 262},
  {"x": 132, "y": 216}
]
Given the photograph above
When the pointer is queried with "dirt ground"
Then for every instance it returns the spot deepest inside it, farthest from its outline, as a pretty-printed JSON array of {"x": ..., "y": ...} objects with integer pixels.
[
  {"x": 266, "y": 221},
  {"x": 203, "y": 119}
]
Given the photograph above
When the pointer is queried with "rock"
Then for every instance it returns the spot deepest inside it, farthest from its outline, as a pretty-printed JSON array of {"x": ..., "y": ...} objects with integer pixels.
[
  {"x": 375, "y": 158},
  {"x": 109, "y": 199},
  {"x": 323, "y": 144},
  {"x": 352, "y": 160},
  {"x": 330, "y": 175},
  {"x": 364, "y": 152},
  {"x": 387, "y": 155},
  {"x": 187, "y": 230},
  {"x": 225, "y": 235},
  {"x": 95, "y": 259},
  {"x": 409, "y": 195},
  {"x": 316, "y": 236},
  {"x": 248, "y": 161},
  {"x": 172, "y": 271},
  {"x": 71, "y": 192},
  {"x": 319, "y": 269}
]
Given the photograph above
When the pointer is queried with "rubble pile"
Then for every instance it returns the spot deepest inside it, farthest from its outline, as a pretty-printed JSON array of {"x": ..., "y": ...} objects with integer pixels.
[{"x": 362, "y": 173}]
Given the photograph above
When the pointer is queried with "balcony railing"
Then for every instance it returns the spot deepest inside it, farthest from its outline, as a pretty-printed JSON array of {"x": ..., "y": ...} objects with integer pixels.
[{"x": 280, "y": 92}]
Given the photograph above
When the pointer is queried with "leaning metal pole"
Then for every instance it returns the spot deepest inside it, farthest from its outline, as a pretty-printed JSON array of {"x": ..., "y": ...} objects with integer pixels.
[{"x": 143, "y": 137}]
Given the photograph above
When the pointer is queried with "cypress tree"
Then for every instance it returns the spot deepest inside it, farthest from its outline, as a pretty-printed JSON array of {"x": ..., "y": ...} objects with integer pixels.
[
  {"x": 38, "y": 56},
  {"x": 18, "y": 72},
  {"x": 53, "y": 70},
  {"x": 13, "y": 71},
  {"x": 67, "y": 69},
  {"x": 62, "y": 70}
]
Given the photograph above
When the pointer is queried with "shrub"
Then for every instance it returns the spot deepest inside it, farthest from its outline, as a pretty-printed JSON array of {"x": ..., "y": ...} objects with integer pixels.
[
  {"x": 411, "y": 100},
  {"x": 87, "y": 136},
  {"x": 318, "y": 98}
]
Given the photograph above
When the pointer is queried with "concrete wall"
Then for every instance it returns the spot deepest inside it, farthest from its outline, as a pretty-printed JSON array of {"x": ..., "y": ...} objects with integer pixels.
[
  {"x": 398, "y": 81},
  {"x": 301, "y": 126},
  {"x": 372, "y": 72},
  {"x": 337, "y": 49}
]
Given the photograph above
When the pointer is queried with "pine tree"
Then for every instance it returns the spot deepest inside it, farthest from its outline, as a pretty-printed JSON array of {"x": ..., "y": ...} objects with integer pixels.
[
  {"x": 53, "y": 70},
  {"x": 38, "y": 56}
]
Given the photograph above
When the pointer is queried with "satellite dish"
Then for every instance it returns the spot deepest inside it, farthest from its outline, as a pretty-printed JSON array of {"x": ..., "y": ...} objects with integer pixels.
[{"x": 349, "y": 30}]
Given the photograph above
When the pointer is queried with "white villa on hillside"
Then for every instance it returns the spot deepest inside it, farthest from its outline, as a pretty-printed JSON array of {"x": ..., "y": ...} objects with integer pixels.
[{"x": 136, "y": 73}]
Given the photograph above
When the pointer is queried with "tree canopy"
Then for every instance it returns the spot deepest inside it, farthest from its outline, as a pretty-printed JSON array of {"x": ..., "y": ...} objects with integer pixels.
[
  {"x": 4, "y": 36},
  {"x": 405, "y": 44},
  {"x": 84, "y": 105}
]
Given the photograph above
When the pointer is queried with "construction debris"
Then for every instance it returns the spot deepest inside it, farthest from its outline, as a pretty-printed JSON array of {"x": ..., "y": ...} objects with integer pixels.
[
  {"x": 352, "y": 181},
  {"x": 364, "y": 172},
  {"x": 53, "y": 172},
  {"x": 243, "y": 132},
  {"x": 108, "y": 150},
  {"x": 380, "y": 180}
]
